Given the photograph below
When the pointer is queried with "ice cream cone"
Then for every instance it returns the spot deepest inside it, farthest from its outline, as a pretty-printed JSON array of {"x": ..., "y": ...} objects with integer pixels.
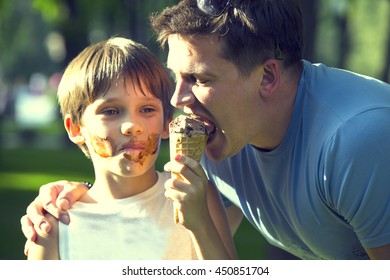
[
  {"x": 183, "y": 144},
  {"x": 187, "y": 136}
]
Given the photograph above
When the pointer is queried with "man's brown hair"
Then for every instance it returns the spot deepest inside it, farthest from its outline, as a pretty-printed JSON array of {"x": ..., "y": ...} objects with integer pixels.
[{"x": 251, "y": 31}]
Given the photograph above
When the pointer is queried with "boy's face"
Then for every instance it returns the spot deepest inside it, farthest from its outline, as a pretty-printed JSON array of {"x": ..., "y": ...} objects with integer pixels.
[{"x": 122, "y": 130}]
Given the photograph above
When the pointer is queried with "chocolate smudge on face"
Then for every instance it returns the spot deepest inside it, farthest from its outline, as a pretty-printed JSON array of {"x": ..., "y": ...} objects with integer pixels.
[
  {"x": 103, "y": 146},
  {"x": 151, "y": 147}
]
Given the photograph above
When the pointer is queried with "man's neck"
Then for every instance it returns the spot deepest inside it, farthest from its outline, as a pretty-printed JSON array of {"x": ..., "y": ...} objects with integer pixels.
[{"x": 280, "y": 111}]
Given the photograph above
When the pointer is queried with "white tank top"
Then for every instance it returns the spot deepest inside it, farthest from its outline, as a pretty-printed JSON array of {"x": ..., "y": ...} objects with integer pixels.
[{"x": 140, "y": 227}]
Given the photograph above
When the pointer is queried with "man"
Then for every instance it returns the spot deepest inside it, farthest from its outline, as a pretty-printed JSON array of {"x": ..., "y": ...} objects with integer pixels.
[{"x": 301, "y": 149}]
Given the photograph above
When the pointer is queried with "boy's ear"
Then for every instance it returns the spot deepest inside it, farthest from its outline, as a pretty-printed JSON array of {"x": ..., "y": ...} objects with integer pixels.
[
  {"x": 271, "y": 78},
  {"x": 74, "y": 131}
]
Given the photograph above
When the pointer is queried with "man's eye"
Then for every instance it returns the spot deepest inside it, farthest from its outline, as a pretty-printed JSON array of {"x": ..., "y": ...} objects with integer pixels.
[{"x": 201, "y": 81}]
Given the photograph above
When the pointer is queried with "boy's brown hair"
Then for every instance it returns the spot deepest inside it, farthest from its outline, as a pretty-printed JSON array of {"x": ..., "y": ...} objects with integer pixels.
[{"x": 91, "y": 73}]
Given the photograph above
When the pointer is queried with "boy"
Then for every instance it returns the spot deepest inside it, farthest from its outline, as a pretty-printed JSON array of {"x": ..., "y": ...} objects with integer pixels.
[{"x": 114, "y": 98}]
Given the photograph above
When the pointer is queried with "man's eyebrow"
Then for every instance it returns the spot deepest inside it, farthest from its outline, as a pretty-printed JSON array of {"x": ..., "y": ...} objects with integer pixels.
[
  {"x": 196, "y": 70},
  {"x": 203, "y": 72},
  {"x": 199, "y": 71}
]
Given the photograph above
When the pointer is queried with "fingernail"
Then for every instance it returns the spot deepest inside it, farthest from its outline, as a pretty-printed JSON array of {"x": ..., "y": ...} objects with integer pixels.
[
  {"x": 177, "y": 157},
  {"x": 64, "y": 218},
  {"x": 44, "y": 226}
]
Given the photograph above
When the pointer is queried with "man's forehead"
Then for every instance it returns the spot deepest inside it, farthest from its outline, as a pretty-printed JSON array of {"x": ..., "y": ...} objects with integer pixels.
[
  {"x": 191, "y": 49},
  {"x": 178, "y": 45}
]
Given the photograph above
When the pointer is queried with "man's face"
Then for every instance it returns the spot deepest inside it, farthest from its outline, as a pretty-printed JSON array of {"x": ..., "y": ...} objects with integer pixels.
[{"x": 212, "y": 88}]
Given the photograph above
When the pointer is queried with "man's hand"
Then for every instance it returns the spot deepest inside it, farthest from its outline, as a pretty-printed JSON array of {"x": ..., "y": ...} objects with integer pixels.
[
  {"x": 188, "y": 190},
  {"x": 55, "y": 198}
]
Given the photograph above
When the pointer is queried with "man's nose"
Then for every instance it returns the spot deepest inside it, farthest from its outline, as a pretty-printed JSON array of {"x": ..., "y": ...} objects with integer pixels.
[{"x": 183, "y": 95}]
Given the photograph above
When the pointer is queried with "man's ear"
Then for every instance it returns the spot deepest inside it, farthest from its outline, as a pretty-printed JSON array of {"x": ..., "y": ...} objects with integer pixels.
[
  {"x": 73, "y": 130},
  {"x": 271, "y": 77}
]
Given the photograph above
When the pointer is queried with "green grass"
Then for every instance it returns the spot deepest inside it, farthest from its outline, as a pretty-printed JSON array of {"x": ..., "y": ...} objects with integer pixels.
[{"x": 24, "y": 170}]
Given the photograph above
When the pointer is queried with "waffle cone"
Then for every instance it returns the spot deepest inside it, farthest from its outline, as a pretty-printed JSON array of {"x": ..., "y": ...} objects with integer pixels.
[
  {"x": 191, "y": 146},
  {"x": 183, "y": 144}
]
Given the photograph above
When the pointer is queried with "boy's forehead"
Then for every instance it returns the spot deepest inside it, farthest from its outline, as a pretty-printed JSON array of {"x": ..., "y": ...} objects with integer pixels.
[{"x": 126, "y": 86}]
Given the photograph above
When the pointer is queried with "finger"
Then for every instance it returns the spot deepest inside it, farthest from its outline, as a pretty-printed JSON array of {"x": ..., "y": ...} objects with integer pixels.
[
  {"x": 167, "y": 166},
  {"x": 171, "y": 194},
  {"x": 48, "y": 195},
  {"x": 177, "y": 169},
  {"x": 177, "y": 184},
  {"x": 27, "y": 247},
  {"x": 189, "y": 166},
  {"x": 69, "y": 194},
  {"x": 27, "y": 228},
  {"x": 175, "y": 189},
  {"x": 179, "y": 190},
  {"x": 59, "y": 196},
  {"x": 177, "y": 197},
  {"x": 35, "y": 213},
  {"x": 174, "y": 166}
]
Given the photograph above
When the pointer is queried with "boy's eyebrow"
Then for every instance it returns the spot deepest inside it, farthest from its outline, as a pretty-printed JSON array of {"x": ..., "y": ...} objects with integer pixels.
[
  {"x": 149, "y": 97},
  {"x": 106, "y": 100}
]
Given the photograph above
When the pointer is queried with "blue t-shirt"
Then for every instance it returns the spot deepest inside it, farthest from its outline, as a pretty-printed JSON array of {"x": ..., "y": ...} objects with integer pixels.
[{"x": 324, "y": 192}]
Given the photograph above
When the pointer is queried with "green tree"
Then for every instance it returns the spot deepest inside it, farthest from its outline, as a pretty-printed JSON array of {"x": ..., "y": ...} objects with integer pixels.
[
  {"x": 22, "y": 36},
  {"x": 83, "y": 22}
]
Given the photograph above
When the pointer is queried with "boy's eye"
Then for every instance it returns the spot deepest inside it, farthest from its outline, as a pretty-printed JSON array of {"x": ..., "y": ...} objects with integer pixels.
[
  {"x": 147, "y": 110},
  {"x": 110, "y": 111}
]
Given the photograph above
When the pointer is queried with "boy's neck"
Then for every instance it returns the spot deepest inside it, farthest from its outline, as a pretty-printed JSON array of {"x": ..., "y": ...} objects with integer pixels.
[{"x": 109, "y": 187}]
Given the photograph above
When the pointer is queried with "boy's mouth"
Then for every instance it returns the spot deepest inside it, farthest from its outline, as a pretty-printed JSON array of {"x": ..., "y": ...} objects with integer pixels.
[{"x": 138, "y": 151}]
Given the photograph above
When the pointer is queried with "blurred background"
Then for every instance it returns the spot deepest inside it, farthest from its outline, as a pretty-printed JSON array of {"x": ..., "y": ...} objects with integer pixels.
[{"x": 39, "y": 37}]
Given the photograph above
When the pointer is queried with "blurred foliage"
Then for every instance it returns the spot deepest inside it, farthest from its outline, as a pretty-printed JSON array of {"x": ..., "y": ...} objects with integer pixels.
[
  {"x": 52, "y": 10},
  {"x": 27, "y": 27},
  {"x": 353, "y": 34}
]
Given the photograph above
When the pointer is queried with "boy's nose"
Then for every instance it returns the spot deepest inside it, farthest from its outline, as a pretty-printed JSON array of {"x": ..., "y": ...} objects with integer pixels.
[
  {"x": 131, "y": 128},
  {"x": 183, "y": 95}
]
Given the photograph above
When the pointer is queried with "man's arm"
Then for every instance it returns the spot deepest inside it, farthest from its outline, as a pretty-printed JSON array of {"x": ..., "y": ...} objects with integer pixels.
[
  {"x": 54, "y": 198},
  {"x": 379, "y": 253},
  {"x": 235, "y": 216},
  {"x": 221, "y": 220},
  {"x": 200, "y": 209}
]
